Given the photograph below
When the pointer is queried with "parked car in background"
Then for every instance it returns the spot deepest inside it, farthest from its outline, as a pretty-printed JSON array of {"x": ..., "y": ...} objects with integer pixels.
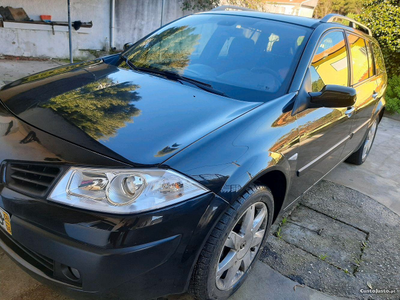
[{"x": 160, "y": 170}]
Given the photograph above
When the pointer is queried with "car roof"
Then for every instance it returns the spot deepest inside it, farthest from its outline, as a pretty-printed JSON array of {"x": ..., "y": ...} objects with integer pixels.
[
  {"x": 302, "y": 21},
  {"x": 297, "y": 20}
]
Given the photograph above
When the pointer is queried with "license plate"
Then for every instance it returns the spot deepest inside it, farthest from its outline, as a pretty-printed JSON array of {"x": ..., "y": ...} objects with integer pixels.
[{"x": 5, "y": 221}]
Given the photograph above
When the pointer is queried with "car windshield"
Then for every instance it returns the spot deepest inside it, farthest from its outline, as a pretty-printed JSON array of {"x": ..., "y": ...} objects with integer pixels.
[{"x": 245, "y": 58}]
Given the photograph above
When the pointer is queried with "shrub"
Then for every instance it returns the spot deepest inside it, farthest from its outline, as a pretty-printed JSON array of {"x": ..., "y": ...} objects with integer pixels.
[
  {"x": 383, "y": 18},
  {"x": 393, "y": 95}
]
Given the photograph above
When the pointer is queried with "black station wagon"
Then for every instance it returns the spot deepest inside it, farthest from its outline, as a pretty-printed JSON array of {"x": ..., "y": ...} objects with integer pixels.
[{"x": 160, "y": 170}]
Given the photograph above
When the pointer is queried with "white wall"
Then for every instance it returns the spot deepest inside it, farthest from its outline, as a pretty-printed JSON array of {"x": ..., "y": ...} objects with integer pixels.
[
  {"x": 40, "y": 43},
  {"x": 135, "y": 19}
]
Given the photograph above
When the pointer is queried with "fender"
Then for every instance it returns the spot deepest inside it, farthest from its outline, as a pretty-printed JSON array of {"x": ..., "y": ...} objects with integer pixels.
[
  {"x": 227, "y": 160},
  {"x": 251, "y": 170}
]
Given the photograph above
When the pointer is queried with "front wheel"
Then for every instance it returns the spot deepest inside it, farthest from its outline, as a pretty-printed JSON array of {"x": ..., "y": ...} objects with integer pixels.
[
  {"x": 360, "y": 156},
  {"x": 234, "y": 245}
]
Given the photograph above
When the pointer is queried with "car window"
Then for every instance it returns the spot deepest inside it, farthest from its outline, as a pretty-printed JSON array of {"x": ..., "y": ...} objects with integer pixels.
[
  {"x": 206, "y": 31},
  {"x": 371, "y": 64},
  {"x": 379, "y": 62},
  {"x": 245, "y": 58},
  {"x": 330, "y": 62},
  {"x": 359, "y": 57},
  {"x": 225, "y": 47}
]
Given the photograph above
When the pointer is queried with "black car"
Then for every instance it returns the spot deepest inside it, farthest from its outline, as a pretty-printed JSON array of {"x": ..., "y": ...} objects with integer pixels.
[{"x": 160, "y": 170}]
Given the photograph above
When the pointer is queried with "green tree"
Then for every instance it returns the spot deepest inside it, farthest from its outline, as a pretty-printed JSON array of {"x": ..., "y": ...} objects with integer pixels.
[
  {"x": 199, "y": 4},
  {"x": 209, "y": 4},
  {"x": 383, "y": 18},
  {"x": 99, "y": 108},
  {"x": 343, "y": 7},
  {"x": 323, "y": 8},
  {"x": 169, "y": 50},
  {"x": 393, "y": 95}
]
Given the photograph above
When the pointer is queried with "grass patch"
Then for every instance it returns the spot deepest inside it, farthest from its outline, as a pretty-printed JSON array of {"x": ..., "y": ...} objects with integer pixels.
[
  {"x": 323, "y": 257},
  {"x": 279, "y": 233}
]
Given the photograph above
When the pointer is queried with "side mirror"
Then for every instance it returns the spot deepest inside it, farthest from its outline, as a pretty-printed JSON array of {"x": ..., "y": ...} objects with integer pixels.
[
  {"x": 333, "y": 96},
  {"x": 127, "y": 46}
]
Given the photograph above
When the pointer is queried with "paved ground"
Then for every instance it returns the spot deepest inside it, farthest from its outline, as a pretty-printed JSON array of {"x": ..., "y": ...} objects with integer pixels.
[
  {"x": 339, "y": 241},
  {"x": 378, "y": 178},
  {"x": 11, "y": 70}
]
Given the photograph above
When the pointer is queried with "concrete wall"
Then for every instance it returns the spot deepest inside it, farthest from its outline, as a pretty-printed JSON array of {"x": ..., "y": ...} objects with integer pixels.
[
  {"x": 296, "y": 10},
  {"x": 135, "y": 19},
  {"x": 42, "y": 43}
]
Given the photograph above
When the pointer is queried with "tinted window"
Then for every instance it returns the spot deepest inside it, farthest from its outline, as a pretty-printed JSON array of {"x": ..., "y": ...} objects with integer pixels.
[
  {"x": 371, "y": 65},
  {"x": 359, "y": 57},
  {"x": 246, "y": 58},
  {"x": 330, "y": 63},
  {"x": 379, "y": 62}
]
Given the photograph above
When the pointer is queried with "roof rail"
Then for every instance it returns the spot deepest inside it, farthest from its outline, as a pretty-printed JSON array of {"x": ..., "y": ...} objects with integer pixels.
[
  {"x": 231, "y": 7},
  {"x": 352, "y": 23}
]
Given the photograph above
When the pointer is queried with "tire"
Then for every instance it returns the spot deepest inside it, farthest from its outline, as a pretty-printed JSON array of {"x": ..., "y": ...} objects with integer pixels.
[
  {"x": 361, "y": 155},
  {"x": 206, "y": 283}
]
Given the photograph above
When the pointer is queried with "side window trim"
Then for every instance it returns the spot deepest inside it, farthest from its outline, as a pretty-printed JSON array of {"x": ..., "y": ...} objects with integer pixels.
[
  {"x": 346, "y": 34},
  {"x": 374, "y": 44},
  {"x": 371, "y": 51},
  {"x": 367, "y": 41},
  {"x": 349, "y": 59}
]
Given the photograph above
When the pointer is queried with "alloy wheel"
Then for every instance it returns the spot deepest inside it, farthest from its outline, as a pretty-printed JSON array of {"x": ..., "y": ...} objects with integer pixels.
[
  {"x": 241, "y": 246},
  {"x": 369, "y": 140}
]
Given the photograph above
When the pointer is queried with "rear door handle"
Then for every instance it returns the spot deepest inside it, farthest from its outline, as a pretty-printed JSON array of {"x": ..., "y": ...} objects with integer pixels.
[{"x": 350, "y": 111}]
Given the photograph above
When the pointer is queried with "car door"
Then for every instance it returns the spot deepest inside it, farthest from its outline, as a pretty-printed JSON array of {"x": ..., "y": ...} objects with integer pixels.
[
  {"x": 380, "y": 71},
  {"x": 323, "y": 131},
  {"x": 364, "y": 81}
]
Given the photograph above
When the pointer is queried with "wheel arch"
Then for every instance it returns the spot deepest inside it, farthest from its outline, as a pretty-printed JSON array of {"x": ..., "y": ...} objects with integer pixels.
[
  {"x": 379, "y": 109},
  {"x": 381, "y": 113},
  {"x": 276, "y": 181},
  {"x": 272, "y": 172}
]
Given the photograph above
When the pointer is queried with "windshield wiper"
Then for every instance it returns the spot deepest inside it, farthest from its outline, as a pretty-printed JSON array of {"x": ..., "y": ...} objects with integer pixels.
[
  {"x": 202, "y": 85},
  {"x": 175, "y": 76},
  {"x": 129, "y": 63}
]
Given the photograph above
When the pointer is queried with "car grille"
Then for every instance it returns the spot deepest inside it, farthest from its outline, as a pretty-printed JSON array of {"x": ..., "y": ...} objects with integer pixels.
[{"x": 34, "y": 179}]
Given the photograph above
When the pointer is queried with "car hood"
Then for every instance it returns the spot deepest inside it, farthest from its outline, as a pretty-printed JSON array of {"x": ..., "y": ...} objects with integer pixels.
[{"x": 131, "y": 116}]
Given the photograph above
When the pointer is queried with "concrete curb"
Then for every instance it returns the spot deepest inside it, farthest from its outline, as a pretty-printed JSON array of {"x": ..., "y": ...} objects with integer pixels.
[
  {"x": 392, "y": 116},
  {"x": 266, "y": 283}
]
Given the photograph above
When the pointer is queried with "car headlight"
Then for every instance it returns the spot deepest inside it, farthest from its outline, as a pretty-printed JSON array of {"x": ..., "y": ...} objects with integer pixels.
[{"x": 123, "y": 191}]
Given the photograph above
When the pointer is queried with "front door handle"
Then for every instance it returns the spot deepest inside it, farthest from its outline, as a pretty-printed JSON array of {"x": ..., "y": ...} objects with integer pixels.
[
  {"x": 350, "y": 111},
  {"x": 374, "y": 95}
]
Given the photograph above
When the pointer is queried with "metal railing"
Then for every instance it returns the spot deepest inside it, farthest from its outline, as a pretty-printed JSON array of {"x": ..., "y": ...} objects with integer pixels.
[{"x": 352, "y": 23}]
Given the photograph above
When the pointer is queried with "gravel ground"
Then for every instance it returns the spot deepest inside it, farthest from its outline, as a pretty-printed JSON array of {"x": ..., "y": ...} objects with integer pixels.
[{"x": 338, "y": 241}]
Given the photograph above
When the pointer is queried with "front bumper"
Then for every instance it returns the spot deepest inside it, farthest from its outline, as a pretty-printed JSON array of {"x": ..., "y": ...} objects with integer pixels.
[{"x": 141, "y": 256}]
